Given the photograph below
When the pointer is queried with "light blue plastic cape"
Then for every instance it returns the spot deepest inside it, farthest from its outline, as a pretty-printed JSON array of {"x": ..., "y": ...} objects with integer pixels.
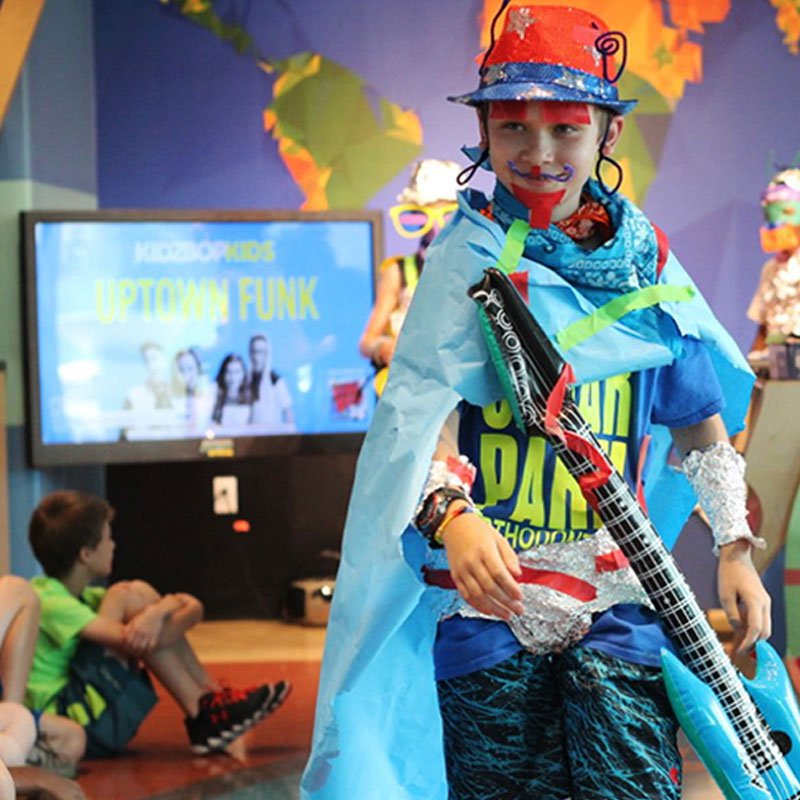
[{"x": 378, "y": 731}]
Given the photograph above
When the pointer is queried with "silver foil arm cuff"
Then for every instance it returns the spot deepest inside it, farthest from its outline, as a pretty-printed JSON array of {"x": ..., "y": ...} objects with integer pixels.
[
  {"x": 716, "y": 473},
  {"x": 455, "y": 473}
]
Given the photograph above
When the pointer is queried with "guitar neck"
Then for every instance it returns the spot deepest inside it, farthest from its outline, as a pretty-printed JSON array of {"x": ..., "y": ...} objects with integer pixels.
[{"x": 671, "y": 596}]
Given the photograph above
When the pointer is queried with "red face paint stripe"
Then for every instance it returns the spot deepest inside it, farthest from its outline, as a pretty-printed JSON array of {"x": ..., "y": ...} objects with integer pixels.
[
  {"x": 507, "y": 109},
  {"x": 567, "y": 113},
  {"x": 540, "y": 204}
]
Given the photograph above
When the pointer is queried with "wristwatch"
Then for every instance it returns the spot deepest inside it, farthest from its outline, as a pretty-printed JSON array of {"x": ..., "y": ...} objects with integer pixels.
[{"x": 434, "y": 509}]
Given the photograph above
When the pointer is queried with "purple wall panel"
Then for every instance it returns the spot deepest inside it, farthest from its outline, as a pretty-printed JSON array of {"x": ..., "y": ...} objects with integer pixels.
[
  {"x": 719, "y": 157},
  {"x": 179, "y": 116}
]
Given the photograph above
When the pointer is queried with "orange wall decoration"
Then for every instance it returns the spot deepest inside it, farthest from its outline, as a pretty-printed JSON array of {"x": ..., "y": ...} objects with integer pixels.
[
  {"x": 660, "y": 53},
  {"x": 787, "y": 19}
]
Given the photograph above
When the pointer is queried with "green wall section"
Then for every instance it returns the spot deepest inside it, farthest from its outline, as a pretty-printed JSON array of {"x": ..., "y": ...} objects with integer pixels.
[
  {"x": 48, "y": 161},
  {"x": 792, "y": 593},
  {"x": 17, "y": 196}
]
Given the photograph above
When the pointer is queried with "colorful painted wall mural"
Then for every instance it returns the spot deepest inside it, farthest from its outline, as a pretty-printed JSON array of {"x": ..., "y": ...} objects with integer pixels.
[
  {"x": 243, "y": 104},
  {"x": 787, "y": 18},
  {"x": 327, "y": 120}
]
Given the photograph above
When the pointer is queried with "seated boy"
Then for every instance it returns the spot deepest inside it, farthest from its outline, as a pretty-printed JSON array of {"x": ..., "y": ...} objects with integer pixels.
[{"x": 91, "y": 640}]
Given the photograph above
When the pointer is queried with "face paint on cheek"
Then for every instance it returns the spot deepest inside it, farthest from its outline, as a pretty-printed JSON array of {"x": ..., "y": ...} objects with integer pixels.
[
  {"x": 783, "y": 213},
  {"x": 567, "y": 113},
  {"x": 507, "y": 109},
  {"x": 536, "y": 172},
  {"x": 540, "y": 204},
  {"x": 533, "y": 172}
]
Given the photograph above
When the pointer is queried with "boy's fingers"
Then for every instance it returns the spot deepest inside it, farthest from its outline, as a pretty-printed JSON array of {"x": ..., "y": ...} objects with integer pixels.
[
  {"x": 510, "y": 558},
  {"x": 500, "y": 572},
  {"x": 477, "y": 596},
  {"x": 758, "y": 625},
  {"x": 498, "y": 584},
  {"x": 732, "y": 612}
]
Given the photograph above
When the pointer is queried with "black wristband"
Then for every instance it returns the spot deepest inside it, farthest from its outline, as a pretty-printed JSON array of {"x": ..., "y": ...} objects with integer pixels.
[{"x": 434, "y": 509}]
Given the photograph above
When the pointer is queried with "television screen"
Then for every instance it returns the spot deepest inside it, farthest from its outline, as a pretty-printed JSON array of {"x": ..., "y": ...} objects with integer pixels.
[{"x": 176, "y": 335}]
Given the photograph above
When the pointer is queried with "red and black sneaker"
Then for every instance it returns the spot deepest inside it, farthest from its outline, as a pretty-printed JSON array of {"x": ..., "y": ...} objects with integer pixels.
[{"x": 226, "y": 714}]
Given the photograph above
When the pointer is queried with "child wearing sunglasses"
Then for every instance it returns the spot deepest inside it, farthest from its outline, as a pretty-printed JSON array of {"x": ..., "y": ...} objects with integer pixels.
[
  {"x": 532, "y": 671},
  {"x": 422, "y": 210}
]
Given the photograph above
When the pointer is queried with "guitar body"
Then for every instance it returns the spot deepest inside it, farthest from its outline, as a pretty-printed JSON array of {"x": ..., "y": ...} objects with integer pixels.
[
  {"x": 714, "y": 738},
  {"x": 746, "y": 732}
]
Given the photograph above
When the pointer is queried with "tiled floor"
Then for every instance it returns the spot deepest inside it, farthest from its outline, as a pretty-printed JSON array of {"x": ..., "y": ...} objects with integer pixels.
[
  {"x": 266, "y": 763},
  {"x": 158, "y": 762}
]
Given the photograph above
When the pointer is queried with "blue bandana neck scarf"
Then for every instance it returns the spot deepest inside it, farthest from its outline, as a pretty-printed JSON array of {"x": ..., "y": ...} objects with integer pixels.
[{"x": 625, "y": 262}]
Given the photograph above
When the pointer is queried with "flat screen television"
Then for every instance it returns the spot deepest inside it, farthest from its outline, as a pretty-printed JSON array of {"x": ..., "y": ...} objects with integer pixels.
[{"x": 174, "y": 335}]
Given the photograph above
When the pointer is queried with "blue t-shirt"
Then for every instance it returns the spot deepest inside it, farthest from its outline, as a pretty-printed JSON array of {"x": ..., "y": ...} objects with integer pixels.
[{"x": 531, "y": 499}]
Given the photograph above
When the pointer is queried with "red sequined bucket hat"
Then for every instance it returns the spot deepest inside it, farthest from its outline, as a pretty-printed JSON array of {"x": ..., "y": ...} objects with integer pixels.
[{"x": 552, "y": 53}]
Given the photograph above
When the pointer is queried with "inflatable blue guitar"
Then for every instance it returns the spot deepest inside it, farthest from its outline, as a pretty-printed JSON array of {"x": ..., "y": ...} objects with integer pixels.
[{"x": 746, "y": 732}]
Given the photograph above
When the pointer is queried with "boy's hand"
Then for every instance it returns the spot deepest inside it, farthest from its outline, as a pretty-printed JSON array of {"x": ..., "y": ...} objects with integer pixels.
[
  {"x": 483, "y": 566},
  {"x": 143, "y": 631},
  {"x": 34, "y": 783},
  {"x": 742, "y": 595}
]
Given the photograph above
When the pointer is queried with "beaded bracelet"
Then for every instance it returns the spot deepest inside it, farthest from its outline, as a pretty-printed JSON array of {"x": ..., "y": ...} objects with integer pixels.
[
  {"x": 448, "y": 518},
  {"x": 434, "y": 511}
]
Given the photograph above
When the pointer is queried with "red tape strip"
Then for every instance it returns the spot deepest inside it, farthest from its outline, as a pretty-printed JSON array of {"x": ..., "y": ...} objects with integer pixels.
[
  {"x": 553, "y": 407},
  {"x": 507, "y": 109},
  {"x": 465, "y": 472},
  {"x": 611, "y": 562},
  {"x": 640, "y": 470},
  {"x": 557, "y": 581}
]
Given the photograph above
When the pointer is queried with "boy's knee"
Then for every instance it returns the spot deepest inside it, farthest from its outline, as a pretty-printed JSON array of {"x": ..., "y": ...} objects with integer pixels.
[
  {"x": 74, "y": 745},
  {"x": 144, "y": 592},
  {"x": 134, "y": 595},
  {"x": 7, "y": 790},
  {"x": 190, "y": 601},
  {"x": 17, "y": 591},
  {"x": 17, "y": 733}
]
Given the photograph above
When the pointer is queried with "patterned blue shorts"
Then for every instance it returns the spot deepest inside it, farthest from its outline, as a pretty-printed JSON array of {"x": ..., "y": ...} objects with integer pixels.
[{"x": 579, "y": 724}]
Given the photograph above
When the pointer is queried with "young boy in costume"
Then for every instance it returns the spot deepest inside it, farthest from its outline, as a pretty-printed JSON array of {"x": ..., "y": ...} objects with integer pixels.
[
  {"x": 543, "y": 646},
  {"x": 92, "y": 640}
]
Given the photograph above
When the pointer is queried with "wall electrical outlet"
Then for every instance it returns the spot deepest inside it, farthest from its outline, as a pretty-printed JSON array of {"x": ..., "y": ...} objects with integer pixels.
[{"x": 225, "y": 490}]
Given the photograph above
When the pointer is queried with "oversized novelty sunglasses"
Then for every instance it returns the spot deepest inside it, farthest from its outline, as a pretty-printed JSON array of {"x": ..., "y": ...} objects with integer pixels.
[{"x": 412, "y": 221}]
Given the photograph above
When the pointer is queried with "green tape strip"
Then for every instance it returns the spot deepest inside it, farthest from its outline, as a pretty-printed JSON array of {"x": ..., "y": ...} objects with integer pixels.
[
  {"x": 617, "y": 308},
  {"x": 513, "y": 246}
]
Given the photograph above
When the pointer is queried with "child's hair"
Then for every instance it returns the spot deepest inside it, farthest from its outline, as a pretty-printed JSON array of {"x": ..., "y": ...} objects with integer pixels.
[{"x": 62, "y": 524}]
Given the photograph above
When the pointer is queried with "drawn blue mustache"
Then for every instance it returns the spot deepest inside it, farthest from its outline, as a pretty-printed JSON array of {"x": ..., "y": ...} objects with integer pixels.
[{"x": 536, "y": 173}]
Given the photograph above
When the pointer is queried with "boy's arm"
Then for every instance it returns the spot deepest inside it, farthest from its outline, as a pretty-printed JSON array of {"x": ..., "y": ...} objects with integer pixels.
[
  {"x": 482, "y": 562},
  {"x": 741, "y": 593},
  {"x": 106, "y": 632},
  {"x": 374, "y": 344},
  {"x": 162, "y": 623}
]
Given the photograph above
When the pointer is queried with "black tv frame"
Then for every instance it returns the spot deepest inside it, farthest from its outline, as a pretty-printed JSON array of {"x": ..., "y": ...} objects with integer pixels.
[{"x": 128, "y": 452}]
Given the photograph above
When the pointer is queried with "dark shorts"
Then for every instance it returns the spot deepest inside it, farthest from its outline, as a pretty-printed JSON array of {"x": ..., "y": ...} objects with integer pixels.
[
  {"x": 580, "y": 724},
  {"x": 107, "y": 697}
]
